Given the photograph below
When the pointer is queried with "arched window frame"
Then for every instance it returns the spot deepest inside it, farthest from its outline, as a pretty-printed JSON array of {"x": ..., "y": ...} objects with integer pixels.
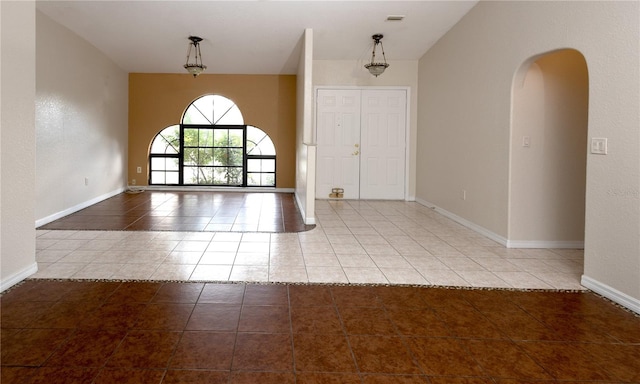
[{"x": 208, "y": 152}]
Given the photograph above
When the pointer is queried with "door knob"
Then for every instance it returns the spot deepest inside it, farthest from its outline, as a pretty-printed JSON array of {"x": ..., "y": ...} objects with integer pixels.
[{"x": 356, "y": 153}]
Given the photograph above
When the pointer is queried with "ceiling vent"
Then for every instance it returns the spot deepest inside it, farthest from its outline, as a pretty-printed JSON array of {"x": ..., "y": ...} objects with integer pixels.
[{"x": 395, "y": 17}]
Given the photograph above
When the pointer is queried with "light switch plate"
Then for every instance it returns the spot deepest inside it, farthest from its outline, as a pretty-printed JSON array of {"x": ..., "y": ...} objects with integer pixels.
[{"x": 599, "y": 145}]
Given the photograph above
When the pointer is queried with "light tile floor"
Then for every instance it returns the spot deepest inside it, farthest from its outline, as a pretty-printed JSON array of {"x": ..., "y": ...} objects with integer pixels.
[{"x": 388, "y": 242}]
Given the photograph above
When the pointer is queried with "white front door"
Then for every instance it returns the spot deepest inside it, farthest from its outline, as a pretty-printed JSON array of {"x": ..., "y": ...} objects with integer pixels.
[
  {"x": 382, "y": 139},
  {"x": 338, "y": 138},
  {"x": 361, "y": 143}
]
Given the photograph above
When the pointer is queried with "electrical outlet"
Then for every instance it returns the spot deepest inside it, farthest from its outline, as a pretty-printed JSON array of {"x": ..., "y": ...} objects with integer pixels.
[
  {"x": 86, "y": 181},
  {"x": 526, "y": 141},
  {"x": 463, "y": 196},
  {"x": 133, "y": 181},
  {"x": 139, "y": 169}
]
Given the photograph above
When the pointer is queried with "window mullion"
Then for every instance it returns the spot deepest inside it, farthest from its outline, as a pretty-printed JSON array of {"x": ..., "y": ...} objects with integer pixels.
[
  {"x": 244, "y": 156},
  {"x": 181, "y": 157}
]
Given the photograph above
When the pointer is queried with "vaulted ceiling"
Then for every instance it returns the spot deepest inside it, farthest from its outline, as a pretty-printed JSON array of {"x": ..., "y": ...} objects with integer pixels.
[{"x": 252, "y": 37}]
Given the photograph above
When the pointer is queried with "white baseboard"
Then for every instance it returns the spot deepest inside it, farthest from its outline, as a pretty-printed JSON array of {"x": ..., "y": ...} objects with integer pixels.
[
  {"x": 611, "y": 293},
  {"x": 545, "y": 244},
  {"x": 209, "y": 188},
  {"x": 307, "y": 220},
  {"x": 17, "y": 277},
  {"x": 538, "y": 244},
  {"x": 473, "y": 226},
  {"x": 76, "y": 208}
]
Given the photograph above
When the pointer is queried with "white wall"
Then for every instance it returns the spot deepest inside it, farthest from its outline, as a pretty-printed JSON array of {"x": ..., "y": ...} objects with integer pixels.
[
  {"x": 400, "y": 73},
  {"x": 81, "y": 123},
  {"x": 465, "y": 121},
  {"x": 305, "y": 147},
  {"x": 17, "y": 141}
]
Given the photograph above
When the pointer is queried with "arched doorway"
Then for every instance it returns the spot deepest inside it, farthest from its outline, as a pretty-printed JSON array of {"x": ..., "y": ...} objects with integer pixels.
[{"x": 548, "y": 156}]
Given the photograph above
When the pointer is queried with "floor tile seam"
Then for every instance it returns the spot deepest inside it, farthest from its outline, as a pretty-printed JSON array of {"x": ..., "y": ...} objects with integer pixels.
[
  {"x": 291, "y": 332},
  {"x": 60, "y": 346},
  {"x": 345, "y": 333}
]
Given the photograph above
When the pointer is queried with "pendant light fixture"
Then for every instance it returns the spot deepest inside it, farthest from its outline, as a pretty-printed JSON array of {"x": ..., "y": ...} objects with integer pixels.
[
  {"x": 376, "y": 69},
  {"x": 194, "y": 65}
]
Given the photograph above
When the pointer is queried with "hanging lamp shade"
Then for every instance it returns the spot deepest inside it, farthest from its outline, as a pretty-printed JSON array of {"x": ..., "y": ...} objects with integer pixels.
[
  {"x": 377, "y": 68},
  {"x": 194, "y": 57}
]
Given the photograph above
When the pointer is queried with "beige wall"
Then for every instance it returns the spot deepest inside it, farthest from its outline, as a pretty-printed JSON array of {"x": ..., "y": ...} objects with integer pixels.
[
  {"x": 81, "y": 123},
  {"x": 157, "y": 101},
  {"x": 404, "y": 73},
  {"x": 17, "y": 141},
  {"x": 548, "y": 178},
  {"x": 465, "y": 121}
]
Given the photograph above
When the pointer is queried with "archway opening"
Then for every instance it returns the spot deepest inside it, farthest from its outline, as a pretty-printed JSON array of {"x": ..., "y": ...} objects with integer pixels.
[{"x": 550, "y": 99}]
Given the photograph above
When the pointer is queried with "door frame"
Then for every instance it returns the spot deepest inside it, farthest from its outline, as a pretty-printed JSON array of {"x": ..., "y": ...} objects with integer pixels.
[{"x": 407, "y": 129}]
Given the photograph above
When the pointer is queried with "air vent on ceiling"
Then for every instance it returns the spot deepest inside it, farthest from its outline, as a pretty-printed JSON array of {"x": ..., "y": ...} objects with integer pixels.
[{"x": 395, "y": 17}]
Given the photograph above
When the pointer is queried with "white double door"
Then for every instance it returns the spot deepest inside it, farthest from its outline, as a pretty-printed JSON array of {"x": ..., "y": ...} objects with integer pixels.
[{"x": 361, "y": 143}]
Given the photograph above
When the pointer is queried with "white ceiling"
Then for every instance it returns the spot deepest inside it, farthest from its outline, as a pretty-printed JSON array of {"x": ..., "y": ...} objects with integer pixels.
[{"x": 252, "y": 37}]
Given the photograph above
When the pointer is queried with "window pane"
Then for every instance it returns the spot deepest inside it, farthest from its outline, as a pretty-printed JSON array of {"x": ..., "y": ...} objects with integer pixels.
[
  {"x": 157, "y": 177},
  {"x": 261, "y": 144},
  {"x": 190, "y": 175},
  {"x": 226, "y": 112},
  {"x": 158, "y": 164},
  {"x": 172, "y": 164},
  {"x": 205, "y": 156},
  {"x": 252, "y": 149},
  {"x": 268, "y": 179},
  {"x": 206, "y": 138},
  {"x": 220, "y": 176},
  {"x": 253, "y": 165},
  {"x": 172, "y": 177},
  {"x": 253, "y": 179},
  {"x": 205, "y": 176},
  {"x": 167, "y": 141},
  {"x": 235, "y": 138},
  {"x": 199, "y": 112},
  {"x": 235, "y": 157},
  {"x": 213, "y": 110},
  {"x": 221, "y": 137},
  {"x": 220, "y": 156},
  {"x": 191, "y": 137},
  {"x": 268, "y": 165},
  {"x": 190, "y": 156}
]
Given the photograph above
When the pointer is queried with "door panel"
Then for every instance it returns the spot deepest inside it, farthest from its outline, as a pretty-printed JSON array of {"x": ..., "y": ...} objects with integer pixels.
[
  {"x": 338, "y": 138},
  {"x": 383, "y": 144}
]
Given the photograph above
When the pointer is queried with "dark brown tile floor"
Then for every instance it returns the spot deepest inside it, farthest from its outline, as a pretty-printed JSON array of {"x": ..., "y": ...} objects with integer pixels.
[
  {"x": 154, "y": 332},
  {"x": 189, "y": 211}
]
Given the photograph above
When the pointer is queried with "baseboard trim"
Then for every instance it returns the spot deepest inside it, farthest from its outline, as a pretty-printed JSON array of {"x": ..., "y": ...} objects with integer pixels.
[
  {"x": 17, "y": 277},
  {"x": 473, "y": 226},
  {"x": 209, "y": 189},
  {"x": 545, "y": 244},
  {"x": 307, "y": 220},
  {"x": 538, "y": 244},
  {"x": 76, "y": 208},
  {"x": 611, "y": 293}
]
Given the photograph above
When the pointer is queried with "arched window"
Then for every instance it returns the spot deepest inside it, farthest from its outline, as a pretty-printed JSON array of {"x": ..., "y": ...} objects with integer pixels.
[{"x": 212, "y": 146}]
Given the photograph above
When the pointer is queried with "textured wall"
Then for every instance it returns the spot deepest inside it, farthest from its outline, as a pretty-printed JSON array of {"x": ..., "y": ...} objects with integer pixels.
[
  {"x": 17, "y": 141},
  {"x": 81, "y": 122},
  {"x": 464, "y": 120}
]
